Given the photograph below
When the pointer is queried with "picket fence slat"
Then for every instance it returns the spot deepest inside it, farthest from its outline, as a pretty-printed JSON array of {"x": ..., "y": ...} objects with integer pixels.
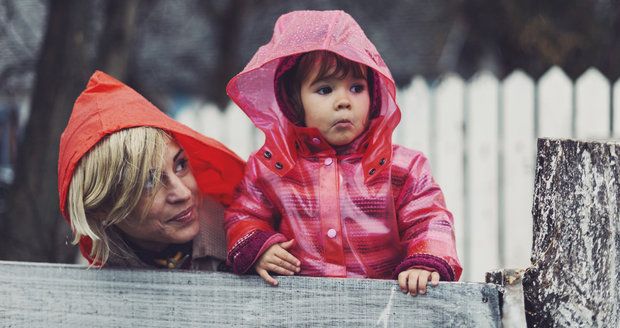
[
  {"x": 239, "y": 131},
  {"x": 212, "y": 121},
  {"x": 616, "y": 110},
  {"x": 189, "y": 116},
  {"x": 414, "y": 128},
  {"x": 482, "y": 172},
  {"x": 555, "y": 105},
  {"x": 592, "y": 105},
  {"x": 447, "y": 155},
  {"x": 519, "y": 153}
]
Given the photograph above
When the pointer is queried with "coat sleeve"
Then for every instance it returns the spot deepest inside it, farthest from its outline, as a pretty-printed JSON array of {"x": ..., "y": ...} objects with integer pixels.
[
  {"x": 426, "y": 225},
  {"x": 249, "y": 222}
]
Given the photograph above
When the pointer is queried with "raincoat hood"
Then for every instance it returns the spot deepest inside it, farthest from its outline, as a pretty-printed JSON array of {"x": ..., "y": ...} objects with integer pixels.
[
  {"x": 254, "y": 89},
  {"x": 107, "y": 106}
]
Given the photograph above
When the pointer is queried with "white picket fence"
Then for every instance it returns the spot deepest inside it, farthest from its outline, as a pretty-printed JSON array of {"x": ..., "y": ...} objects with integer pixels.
[{"x": 480, "y": 136}]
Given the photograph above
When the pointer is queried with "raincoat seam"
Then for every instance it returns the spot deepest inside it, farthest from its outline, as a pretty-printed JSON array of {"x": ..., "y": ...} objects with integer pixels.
[
  {"x": 339, "y": 213},
  {"x": 329, "y": 33}
]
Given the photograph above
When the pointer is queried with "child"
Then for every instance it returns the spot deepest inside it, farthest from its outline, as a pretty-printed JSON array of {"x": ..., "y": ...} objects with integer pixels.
[{"x": 328, "y": 194}]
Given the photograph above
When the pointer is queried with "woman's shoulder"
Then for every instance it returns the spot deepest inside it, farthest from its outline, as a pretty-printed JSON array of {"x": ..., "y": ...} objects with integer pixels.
[{"x": 210, "y": 242}]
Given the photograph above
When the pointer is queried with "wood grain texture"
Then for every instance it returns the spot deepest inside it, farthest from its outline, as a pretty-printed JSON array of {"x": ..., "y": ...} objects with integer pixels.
[
  {"x": 513, "y": 308},
  {"x": 482, "y": 187},
  {"x": 518, "y": 147},
  {"x": 55, "y": 295},
  {"x": 447, "y": 159},
  {"x": 573, "y": 280}
]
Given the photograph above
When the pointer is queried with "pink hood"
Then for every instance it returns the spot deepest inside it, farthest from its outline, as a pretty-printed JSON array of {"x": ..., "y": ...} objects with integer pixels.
[{"x": 253, "y": 89}]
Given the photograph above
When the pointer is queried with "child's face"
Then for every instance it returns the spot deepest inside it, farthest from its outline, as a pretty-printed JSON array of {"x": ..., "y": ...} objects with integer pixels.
[{"x": 338, "y": 108}]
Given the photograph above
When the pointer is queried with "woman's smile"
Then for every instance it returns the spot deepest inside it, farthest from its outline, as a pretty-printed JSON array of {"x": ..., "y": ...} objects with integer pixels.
[{"x": 184, "y": 217}]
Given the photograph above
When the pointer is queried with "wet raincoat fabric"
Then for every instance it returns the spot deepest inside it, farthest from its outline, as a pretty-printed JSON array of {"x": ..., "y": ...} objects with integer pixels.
[
  {"x": 106, "y": 106},
  {"x": 370, "y": 209}
]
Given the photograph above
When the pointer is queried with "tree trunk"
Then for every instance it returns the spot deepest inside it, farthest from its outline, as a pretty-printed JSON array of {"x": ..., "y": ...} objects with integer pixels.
[
  {"x": 227, "y": 22},
  {"x": 573, "y": 280},
  {"x": 33, "y": 229},
  {"x": 117, "y": 37}
]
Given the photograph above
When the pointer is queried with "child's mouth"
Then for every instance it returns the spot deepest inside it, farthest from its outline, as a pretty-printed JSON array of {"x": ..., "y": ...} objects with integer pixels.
[{"x": 342, "y": 124}]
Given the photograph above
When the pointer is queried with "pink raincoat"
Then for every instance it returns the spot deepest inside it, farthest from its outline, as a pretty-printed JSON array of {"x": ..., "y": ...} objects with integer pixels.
[{"x": 369, "y": 210}]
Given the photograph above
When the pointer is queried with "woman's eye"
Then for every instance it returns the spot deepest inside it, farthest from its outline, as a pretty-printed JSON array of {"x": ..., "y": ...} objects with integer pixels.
[
  {"x": 150, "y": 181},
  {"x": 324, "y": 90},
  {"x": 180, "y": 165},
  {"x": 358, "y": 88}
]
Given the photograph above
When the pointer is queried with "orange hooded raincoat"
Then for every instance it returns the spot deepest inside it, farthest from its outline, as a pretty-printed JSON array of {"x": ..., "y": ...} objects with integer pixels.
[{"x": 106, "y": 106}]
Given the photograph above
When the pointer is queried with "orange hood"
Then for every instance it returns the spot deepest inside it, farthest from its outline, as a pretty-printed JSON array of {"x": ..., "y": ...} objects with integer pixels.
[{"x": 106, "y": 106}]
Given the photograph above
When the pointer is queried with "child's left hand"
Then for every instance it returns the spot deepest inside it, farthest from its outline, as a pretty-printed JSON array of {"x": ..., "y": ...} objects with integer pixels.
[{"x": 415, "y": 280}]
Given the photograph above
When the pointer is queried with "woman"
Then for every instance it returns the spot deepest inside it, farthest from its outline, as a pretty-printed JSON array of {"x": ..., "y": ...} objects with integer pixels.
[{"x": 140, "y": 189}]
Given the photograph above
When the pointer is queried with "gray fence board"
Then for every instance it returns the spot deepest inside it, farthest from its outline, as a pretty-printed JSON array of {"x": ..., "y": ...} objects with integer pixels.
[{"x": 54, "y": 295}]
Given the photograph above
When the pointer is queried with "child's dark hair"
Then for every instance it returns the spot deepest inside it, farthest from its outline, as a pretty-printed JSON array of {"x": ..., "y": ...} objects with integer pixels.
[{"x": 291, "y": 74}]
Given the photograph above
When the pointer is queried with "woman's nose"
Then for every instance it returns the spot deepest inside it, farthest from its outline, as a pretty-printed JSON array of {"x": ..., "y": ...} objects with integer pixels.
[{"x": 177, "y": 191}]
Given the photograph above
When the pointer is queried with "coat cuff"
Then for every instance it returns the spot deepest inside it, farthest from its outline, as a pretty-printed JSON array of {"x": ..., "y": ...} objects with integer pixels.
[
  {"x": 426, "y": 262},
  {"x": 250, "y": 248}
]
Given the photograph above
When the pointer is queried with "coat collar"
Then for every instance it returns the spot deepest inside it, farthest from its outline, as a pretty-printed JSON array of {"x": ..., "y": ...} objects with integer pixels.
[{"x": 376, "y": 150}]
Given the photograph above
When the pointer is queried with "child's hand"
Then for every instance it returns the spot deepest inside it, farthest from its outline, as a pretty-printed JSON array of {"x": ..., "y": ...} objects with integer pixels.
[
  {"x": 415, "y": 280},
  {"x": 278, "y": 260}
]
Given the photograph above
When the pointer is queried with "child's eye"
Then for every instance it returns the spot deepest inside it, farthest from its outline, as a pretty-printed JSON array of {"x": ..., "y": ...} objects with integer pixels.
[
  {"x": 358, "y": 88},
  {"x": 324, "y": 90},
  {"x": 180, "y": 165}
]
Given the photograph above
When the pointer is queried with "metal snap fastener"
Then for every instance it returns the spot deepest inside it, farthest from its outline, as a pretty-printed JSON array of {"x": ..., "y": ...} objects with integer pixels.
[
  {"x": 316, "y": 141},
  {"x": 328, "y": 161},
  {"x": 279, "y": 165},
  {"x": 267, "y": 154},
  {"x": 331, "y": 233}
]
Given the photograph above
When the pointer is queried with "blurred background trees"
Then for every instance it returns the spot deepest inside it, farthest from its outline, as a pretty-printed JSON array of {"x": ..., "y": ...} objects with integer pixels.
[{"x": 174, "y": 50}]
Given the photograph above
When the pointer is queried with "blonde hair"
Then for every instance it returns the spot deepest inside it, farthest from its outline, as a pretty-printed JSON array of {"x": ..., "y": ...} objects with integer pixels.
[{"x": 110, "y": 180}]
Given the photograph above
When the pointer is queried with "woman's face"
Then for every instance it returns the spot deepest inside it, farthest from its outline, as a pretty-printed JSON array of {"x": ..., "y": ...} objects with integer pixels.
[{"x": 172, "y": 217}]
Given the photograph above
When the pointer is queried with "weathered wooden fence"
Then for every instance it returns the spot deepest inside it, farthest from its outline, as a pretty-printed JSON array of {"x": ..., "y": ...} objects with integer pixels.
[
  {"x": 480, "y": 136},
  {"x": 57, "y": 295}
]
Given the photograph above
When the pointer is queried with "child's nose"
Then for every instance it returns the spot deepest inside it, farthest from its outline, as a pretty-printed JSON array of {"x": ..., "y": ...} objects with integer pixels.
[{"x": 343, "y": 102}]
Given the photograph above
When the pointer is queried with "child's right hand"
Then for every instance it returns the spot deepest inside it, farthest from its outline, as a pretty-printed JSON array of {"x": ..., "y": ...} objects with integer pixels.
[{"x": 278, "y": 260}]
